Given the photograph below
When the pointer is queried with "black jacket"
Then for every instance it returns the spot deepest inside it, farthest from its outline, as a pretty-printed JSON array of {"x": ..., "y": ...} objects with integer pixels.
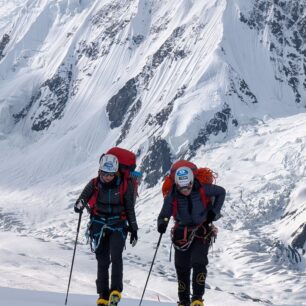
[
  {"x": 190, "y": 209},
  {"x": 109, "y": 202}
]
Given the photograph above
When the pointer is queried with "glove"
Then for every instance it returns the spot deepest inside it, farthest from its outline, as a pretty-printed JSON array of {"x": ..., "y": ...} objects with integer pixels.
[
  {"x": 79, "y": 206},
  {"x": 210, "y": 216},
  {"x": 133, "y": 238},
  {"x": 162, "y": 226}
]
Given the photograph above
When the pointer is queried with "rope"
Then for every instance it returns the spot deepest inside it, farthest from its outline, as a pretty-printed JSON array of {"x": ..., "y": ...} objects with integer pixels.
[{"x": 107, "y": 224}]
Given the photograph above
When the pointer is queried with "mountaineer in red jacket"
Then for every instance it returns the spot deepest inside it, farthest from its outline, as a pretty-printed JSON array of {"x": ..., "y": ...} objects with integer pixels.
[{"x": 112, "y": 216}]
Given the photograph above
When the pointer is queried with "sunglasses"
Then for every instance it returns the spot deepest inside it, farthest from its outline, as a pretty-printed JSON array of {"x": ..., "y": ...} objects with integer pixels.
[
  {"x": 107, "y": 174},
  {"x": 185, "y": 188}
]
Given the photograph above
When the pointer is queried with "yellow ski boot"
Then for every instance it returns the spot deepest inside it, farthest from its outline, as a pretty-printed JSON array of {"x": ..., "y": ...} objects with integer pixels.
[
  {"x": 197, "y": 303},
  {"x": 102, "y": 302},
  {"x": 114, "y": 298}
]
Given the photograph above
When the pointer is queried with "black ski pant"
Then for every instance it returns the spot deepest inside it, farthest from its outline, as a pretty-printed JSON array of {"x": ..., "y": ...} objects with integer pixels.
[
  {"x": 195, "y": 258},
  {"x": 109, "y": 252}
]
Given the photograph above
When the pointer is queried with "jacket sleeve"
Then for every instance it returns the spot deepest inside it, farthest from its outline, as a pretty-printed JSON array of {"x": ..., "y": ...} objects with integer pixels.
[
  {"x": 166, "y": 211},
  {"x": 129, "y": 203},
  {"x": 218, "y": 193},
  {"x": 87, "y": 192}
]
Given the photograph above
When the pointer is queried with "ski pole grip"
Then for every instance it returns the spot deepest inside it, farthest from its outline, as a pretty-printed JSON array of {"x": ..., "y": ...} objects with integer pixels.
[
  {"x": 166, "y": 220},
  {"x": 85, "y": 205}
]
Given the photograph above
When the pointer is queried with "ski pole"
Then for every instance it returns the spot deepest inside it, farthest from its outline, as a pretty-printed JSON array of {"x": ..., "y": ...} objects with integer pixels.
[
  {"x": 75, "y": 245},
  {"x": 158, "y": 243}
]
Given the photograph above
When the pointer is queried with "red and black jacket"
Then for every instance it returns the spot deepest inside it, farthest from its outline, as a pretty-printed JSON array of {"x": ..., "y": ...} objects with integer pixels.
[
  {"x": 192, "y": 210},
  {"x": 106, "y": 200}
]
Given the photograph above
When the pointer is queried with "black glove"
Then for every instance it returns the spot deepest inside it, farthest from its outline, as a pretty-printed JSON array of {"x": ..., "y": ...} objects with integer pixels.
[
  {"x": 162, "y": 226},
  {"x": 210, "y": 216},
  {"x": 133, "y": 238},
  {"x": 79, "y": 206}
]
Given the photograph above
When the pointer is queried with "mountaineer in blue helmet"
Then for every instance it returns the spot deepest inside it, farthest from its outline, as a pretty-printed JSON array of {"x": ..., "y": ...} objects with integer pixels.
[{"x": 194, "y": 204}]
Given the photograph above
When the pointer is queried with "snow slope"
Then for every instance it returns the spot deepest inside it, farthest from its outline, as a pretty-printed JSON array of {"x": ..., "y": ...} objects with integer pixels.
[
  {"x": 249, "y": 259},
  {"x": 219, "y": 81},
  {"x": 15, "y": 297}
]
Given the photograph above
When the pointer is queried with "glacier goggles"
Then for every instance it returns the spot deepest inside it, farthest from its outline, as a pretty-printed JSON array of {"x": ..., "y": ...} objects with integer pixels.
[
  {"x": 111, "y": 174},
  {"x": 185, "y": 188}
]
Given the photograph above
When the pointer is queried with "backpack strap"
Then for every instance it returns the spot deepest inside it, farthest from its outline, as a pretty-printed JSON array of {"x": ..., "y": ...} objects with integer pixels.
[
  {"x": 124, "y": 184},
  {"x": 133, "y": 177},
  {"x": 204, "y": 198},
  {"x": 93, "y": 199},
  {"x": 174, "y": 207}
]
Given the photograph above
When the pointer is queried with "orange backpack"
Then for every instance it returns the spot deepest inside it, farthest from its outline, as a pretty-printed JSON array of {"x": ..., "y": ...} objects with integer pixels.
[{"x": 203, "y": 175}]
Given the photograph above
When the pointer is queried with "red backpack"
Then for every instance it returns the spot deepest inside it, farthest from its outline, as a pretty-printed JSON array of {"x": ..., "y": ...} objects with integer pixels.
[
  {"x": 127, "y": 165},
  {"x": 203, "y": 175}
]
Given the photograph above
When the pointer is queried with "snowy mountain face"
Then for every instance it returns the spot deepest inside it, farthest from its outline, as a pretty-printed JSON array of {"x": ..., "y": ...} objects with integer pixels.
[
  {"x": 285, "y": 39},
  {"x": 222, "y": 82}
]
